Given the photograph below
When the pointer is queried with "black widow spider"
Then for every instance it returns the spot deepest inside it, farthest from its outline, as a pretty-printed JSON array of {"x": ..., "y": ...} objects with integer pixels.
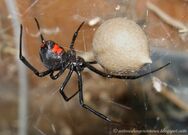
[{"x": 55, "y": 58}]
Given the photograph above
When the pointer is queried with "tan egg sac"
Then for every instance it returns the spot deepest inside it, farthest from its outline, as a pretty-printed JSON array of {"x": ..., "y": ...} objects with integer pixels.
[{"x": 121, "y": 46}]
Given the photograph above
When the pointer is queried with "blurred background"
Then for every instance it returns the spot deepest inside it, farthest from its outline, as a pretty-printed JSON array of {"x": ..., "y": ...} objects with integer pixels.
[{"x": 33, "y": 106}]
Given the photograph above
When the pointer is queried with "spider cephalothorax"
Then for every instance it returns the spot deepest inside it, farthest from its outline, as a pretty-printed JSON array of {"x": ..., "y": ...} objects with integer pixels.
[{"x": 55, "y": 58}]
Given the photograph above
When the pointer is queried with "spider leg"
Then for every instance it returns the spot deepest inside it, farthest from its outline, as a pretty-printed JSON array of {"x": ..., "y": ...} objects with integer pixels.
[
  {"x": 81, "y": 99},
  {"x": 92, "y": 62},
  {"x": 63, "y": 86},
  {"x": 54, "y": 77},
  {"x": 23, "y": 59},
  {"x": 75, "y": 36},
  {"x": 119, "y": 76},
  {"x": 38, "y": 26}
]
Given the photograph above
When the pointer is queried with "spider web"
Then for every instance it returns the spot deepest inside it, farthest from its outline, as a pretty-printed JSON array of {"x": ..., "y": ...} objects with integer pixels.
[{"x": 156, "y": 102}]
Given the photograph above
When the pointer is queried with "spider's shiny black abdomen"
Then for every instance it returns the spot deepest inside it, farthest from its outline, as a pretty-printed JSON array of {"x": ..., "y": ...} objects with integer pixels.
[
  {"x": 51, "y": 61},
  {"x": 52, "y": 55}
]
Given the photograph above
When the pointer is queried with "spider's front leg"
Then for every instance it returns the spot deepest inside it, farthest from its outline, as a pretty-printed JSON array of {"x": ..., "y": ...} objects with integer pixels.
[
  {"x": 54, "y": 77},
  {"x": 61, "y": 90},
  {"x": 81, "y": 99},
  {"x": 23, "y": 59}
]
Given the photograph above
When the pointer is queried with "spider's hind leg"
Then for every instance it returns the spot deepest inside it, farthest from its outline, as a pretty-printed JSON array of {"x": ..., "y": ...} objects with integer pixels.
[
  {"x": 38, "y": 26},
  {"x": 63, "y": 86},
  {"x": 24, "y": 60},
  {"x": 75, "y": 36}
]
